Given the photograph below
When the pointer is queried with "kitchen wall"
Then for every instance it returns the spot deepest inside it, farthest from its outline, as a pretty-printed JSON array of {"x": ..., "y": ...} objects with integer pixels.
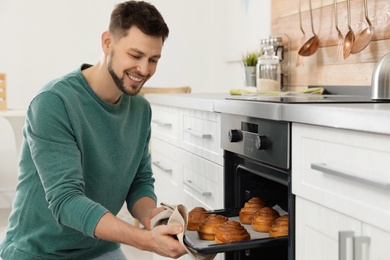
[
  {"x": 44, "y": 39},
  {"x": 324, "y": 68}
]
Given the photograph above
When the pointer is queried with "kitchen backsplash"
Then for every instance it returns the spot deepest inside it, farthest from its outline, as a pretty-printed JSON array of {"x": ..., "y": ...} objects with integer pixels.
[{"x": 323, "y": 68}]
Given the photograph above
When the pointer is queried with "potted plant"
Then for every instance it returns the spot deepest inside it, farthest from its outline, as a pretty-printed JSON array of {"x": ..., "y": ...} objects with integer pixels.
[{"x": 249, "y": 62}]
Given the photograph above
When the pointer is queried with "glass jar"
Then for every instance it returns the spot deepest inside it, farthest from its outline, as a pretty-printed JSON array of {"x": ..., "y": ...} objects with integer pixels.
[{"x": 268, "y": 71}]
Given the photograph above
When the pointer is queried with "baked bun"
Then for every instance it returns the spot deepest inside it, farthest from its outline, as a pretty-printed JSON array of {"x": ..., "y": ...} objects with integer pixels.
[
  {"x": 263, "y": 219},
  {"x": 210, "y": 225},
  {"x": 279, "y": 227},
  {"x": 231, "y": 231},
  {"x": 249, "y": 209},
  {"x": 195, "y": 217}
]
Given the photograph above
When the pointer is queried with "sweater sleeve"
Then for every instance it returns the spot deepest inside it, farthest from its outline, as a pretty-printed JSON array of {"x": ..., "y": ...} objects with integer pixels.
[
  {"x": 143, "y": 183},
  {"x": 58, "y": 161}
]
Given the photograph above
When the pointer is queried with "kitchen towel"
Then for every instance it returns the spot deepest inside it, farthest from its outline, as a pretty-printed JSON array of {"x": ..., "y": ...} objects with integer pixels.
[
  {"x": 248, "y": 91},
  {"x": 178, "y": 215}
]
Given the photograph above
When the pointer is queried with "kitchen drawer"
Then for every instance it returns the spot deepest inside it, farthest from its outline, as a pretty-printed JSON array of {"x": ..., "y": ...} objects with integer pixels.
[
  {"x": 166, "y": 123},
  {"x": 202, "y": 182},
  {"x": 166, "y": 170},
  {"x": 201, "y": 134},
  {"x": 347, "y": 171}
]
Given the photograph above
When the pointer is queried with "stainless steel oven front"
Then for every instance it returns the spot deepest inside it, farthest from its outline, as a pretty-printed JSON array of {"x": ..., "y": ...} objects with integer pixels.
[{"x": 257, "y": 164}]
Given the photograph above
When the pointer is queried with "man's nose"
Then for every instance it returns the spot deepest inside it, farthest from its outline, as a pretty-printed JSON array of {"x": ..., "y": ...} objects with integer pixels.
[{"x": 143, "y": 67}]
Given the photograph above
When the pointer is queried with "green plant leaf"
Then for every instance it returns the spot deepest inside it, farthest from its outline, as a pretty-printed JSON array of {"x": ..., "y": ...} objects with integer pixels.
[{"x": 250, "y": 58}]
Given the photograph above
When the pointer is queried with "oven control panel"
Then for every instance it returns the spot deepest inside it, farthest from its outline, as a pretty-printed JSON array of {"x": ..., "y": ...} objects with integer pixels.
[{"x": 260, "y": 139}]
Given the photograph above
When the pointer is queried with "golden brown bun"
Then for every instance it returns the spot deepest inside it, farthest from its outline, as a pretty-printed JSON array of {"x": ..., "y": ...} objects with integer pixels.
[
  {"x": 195, "y": 217},
  {"x": 263, "y": 219},
  {"x": 249, "y": 209},
  {"x": 279, "y": 227},
  {"x": 210, "y": 225},
  {"x": 231, "y": 231},
  {"x": 283, "y": 220}
]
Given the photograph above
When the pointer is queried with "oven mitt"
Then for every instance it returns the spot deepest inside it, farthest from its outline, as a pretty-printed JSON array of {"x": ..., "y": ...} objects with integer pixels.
[{"x": 178, "y": 215}]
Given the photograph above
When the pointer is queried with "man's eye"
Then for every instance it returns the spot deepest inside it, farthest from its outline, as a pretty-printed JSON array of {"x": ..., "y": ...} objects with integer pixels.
[{"x": 135, "y": 56}]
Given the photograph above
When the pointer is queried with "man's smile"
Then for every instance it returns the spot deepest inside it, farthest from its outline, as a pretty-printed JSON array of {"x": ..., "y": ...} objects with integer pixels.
[{"x": 134, "y": 78}]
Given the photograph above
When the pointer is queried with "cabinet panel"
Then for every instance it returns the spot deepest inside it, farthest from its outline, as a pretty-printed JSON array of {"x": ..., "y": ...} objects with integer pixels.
[
  {"x": 166, "y": 123},
  {"x": 201, "y": 134},
  {"x": 343, "y": 170},
  {"x": 202, "y": 182},
  {"x": 378, "y": 247},
  {"x": 167, "y": 172},
  {"x": 317, "y": 231}
]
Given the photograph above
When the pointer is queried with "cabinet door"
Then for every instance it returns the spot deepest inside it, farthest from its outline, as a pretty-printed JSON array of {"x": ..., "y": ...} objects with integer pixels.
[
  {"x": 378, "y": 247},
  {"x": 166, "y": 170},
  {"x": 202, "y": 182},
  {"x": 317, "y": 231}
]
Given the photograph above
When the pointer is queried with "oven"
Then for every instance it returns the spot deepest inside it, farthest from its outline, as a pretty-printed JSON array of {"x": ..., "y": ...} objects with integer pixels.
[
  {"x": 257, "y": 164},
  {"x": 256, "y": 141}
]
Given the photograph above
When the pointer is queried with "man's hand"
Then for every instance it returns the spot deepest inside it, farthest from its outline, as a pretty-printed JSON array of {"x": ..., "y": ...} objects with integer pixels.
[
  {"x": 165, "y": 242},
  {"x": 161, "y": 240},
  {"x": 153, "y": 212}
]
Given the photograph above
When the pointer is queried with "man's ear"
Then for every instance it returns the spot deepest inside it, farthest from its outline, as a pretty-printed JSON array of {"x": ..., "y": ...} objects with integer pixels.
[{"x": 106, "y": 41}]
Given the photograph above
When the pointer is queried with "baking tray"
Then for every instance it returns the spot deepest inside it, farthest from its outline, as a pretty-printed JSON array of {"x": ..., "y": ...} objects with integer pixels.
[{"x": 258, "y": 239}]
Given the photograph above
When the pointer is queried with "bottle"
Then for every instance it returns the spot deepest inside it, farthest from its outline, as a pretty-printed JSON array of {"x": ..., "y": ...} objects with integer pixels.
[{"x": 268, "y": 71}]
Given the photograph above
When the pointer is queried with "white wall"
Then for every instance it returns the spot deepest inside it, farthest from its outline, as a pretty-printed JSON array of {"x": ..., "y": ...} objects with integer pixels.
[{"x": 43, "y": 39}]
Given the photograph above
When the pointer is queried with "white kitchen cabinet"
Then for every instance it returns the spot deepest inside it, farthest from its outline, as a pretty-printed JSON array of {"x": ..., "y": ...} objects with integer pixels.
[
  {"x": 202, "y": 182},
  {"x": 201, "y": 134},
  {"x": 166, "y": 124},
  {"x": 167, "y": 172},
  {"x": 341, "y": 182},
  {"x": 186, "y": 158},
  {"x": 317, "y": 231},
  {"x": 379, "y": 242}
]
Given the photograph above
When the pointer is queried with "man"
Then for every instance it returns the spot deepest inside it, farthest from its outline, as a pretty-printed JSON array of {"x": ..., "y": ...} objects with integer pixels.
[{"x": 85, "y": 153}]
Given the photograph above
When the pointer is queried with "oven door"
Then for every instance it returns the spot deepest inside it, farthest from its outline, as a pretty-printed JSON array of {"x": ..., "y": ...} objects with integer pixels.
[{"x": 245, "y": 178}]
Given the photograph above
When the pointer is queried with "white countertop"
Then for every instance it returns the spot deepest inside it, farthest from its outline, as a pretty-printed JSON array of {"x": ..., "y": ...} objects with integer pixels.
[
  {"x": 13, "y": 113},
  {"x": 367, "y": 117}
]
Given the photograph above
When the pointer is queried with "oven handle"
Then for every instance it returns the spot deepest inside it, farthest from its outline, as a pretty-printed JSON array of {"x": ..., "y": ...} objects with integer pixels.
[
  {"x": 272, "y": 177},
  {"x": 196, "y": 133},
  {"x": 326, "y": 169},
  {"x": 192, "y": 186}
]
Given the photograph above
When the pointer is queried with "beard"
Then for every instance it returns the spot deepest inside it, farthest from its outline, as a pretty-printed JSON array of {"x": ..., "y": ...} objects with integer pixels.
[{"x": 119, "y": 82}]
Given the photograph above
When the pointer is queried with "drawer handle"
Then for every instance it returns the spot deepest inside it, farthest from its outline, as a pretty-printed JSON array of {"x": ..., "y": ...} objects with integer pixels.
[
  {"x": 326, "y": 169},
  {"x": 158, "y": 165},
  {"x": 196, "y": 133},
  {"x": 192, "y": 186},
  {"x": 343, "y": 236},
  {"x": 162, "y": 123},
  {"x": 358, "y": 246}
]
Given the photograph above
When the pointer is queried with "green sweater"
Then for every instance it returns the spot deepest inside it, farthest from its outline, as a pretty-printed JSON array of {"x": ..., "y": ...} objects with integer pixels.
[{"x": 81, "y": 157}]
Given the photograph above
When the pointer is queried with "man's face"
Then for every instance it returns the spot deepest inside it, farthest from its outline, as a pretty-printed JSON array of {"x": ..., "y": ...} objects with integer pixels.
[{"x": 133, "y": 60}]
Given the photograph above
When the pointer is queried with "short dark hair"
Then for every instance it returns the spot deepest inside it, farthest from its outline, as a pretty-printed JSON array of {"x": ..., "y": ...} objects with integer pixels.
[{"x": 143, "y": 15}]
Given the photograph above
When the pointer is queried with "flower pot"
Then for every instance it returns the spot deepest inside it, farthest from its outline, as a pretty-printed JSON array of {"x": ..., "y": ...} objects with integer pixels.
[{"x": 249, "y": 74}]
